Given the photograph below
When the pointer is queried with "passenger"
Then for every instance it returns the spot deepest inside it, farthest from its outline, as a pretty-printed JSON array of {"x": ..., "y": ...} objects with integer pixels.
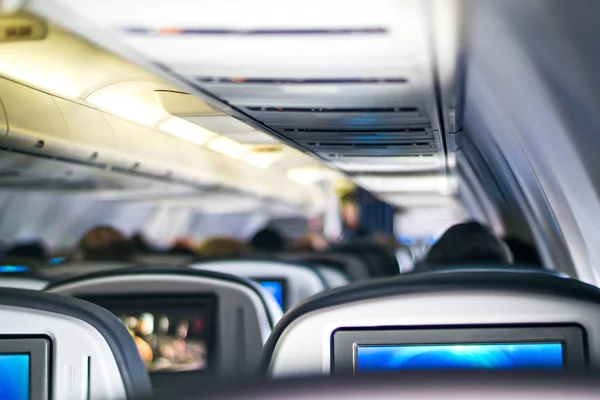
[
  {"x": 311, "y": 242},
  {"x": 34, "y": 250},
  {"x": 140, "y": 244},
  {"x": 183, "y": 246},
  {"x": 268, "y": 240},
  {"x": 105, "y": 243},
  {"x": 351, "y": 219},
  {"x": 385, "y": 240},
  {"x": 523, "y": 252},
  {"x": 468, "y": 242},
  {"x": 222, "y": 247}
]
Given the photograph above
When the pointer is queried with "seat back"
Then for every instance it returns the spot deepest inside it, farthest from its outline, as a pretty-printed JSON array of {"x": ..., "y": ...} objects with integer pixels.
[
  {"x": 72, "y": 269},
  {"x": 332, "y": 276},
  {"x": 224, "y": 320},
  {"x": 163, "y": 259},
  {"x": 324, "y": 335},
  {"x": 21, "y": 274},
  {"x": 63, "y": 348},
  {"x": 299, "y": 281},
  {"x": 354, "y": 267},
  {"x": 380, "y": 260}
]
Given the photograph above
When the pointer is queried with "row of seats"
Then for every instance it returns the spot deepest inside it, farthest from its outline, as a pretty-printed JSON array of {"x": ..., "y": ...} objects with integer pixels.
[
  {"x": 297, "y": 281},
  {"x": 80, "y": 349},
  {"x": 210, "y": 320}
]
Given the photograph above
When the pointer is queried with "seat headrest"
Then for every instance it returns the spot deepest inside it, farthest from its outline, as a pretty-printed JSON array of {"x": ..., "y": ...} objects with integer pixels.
[
  {"x": 82, "y": 338},
  {"x": 146, "y": 271},
  {"x": 239, "y": 314},
  {"x": 465, "y": 298},
  {"x": 301, "y": 281}
]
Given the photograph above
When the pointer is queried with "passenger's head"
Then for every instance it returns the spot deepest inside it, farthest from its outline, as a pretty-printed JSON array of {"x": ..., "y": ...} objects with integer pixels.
[
  {"x": 268, "y": 239},
  {"x": 182, "y": 246},
  {"x": 139, "y": 243},
  {"x": 104, "y": 243},
  {"x": 30, "y": 250},
  {"x": 468, "y": 243},
  {"x": 222, "y": 247},
  {"x": 310, "y": 242},
  {"x": 385, "y": 240},
  {"x": 350, "y": 211},
  {"x": 523, "y": 252}
]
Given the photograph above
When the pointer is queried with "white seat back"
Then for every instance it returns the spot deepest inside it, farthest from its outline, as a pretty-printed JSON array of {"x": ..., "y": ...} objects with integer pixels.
[
  {"x": 242, "y": 319},
  {"x": 68, "y": 348},
  {"x": 301, "y": 282}
]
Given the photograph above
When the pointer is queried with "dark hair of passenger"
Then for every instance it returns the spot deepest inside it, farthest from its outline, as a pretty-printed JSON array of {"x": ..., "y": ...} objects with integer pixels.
[
  {"x": 31, "y": 250},
  {"x": 222, "y": 247},
  {"x": 468, "y": 243},
  {"x": 268, "y": 239},
  {"x": 104, "y": 243},
  {"x": 140, "y": 244},
  {"x": 523, "y": 252},
  {"x": 182, "y": 246}
]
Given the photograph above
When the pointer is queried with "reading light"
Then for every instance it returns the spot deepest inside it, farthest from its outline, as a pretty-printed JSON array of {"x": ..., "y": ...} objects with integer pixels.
[
  {"x": 226, "y": 146},
  {"x": 186, "y": 130}
]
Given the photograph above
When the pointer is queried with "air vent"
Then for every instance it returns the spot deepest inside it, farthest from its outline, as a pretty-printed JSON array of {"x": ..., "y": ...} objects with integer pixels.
[
  {"x": 173, "y": 31},
  {"x": 292, "y": 81},
  {"x": 340, "y": 118},
  {"x": 372, "y": 149},
  {"x": 367, "y": 145},
  {"x": 354, "y": 131},
  {"x": 365, "y": 135},
  {"x": 335, "y": 110},
  {"x": 364, "y": 158}
]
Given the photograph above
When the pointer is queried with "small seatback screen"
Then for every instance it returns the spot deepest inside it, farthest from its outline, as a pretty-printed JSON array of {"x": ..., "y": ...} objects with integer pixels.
[
  {"x": 172, "y": 332},
  {"x": 275, "y": 288},
  {"x": 14, "y": 370},
  {"x": 504, "y": 356}
]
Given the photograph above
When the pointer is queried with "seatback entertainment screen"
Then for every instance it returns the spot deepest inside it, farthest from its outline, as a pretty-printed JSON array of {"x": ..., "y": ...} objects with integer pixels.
[
  {"x": 173, "y": 333},
  {"x": 459, "y": 356},
  {"x": 375, "y": 349},
  {"x": 14, "y": 370},
  {"x": 25, "y": 367},
  {"x": 275, "y": 287}
]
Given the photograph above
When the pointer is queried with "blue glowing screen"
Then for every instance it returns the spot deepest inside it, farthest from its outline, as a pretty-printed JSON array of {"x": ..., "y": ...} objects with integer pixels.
[
  {"x": 459, "y": 356},
  {"x": 14, "y": 376},
  {"x": 56, "y": 260},
  {"x": 14, "y": 268},
  {"x": 275, "y": 288}
]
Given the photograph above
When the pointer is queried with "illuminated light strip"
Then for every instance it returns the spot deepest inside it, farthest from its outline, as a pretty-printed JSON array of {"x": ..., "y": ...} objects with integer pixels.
[
  {"x": 135, "y": 30},
  {"x": 187, "y": 131},
  {"x": 293, "y": 81},
  {"x": 228, "y": 147}
]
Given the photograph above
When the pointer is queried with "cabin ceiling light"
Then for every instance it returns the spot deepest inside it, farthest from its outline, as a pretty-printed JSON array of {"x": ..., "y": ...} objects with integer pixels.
[
  {"x": 261, "y": 160},
  {"x": 128, "y": 107},
  {"x": 226, "y": 146},
  {"x": 186, "y": 130}
]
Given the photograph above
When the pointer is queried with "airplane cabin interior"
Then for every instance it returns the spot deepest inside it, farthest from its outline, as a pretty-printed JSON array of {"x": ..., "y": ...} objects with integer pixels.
[{"x": 299, "y": 199}]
